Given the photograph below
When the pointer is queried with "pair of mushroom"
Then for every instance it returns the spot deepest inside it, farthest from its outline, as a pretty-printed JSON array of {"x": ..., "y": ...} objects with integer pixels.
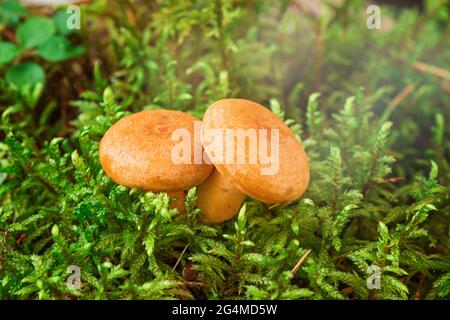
[{"x": 138, "y": 152}]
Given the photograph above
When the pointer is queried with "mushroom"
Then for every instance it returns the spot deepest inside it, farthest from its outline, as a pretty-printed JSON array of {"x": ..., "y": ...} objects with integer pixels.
[
  {"x": 237, "y": 136},
  {"x": 137, "y": 152}
]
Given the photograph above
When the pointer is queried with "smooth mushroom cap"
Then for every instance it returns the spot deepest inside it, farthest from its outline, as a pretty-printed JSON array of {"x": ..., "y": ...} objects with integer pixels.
[
  {"x": 137, "y": 152},
  {"x": 292, "y": 177}
]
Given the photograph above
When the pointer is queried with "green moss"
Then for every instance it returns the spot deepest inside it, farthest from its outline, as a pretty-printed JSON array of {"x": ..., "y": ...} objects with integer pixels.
[{"x": 379, "y": 192}]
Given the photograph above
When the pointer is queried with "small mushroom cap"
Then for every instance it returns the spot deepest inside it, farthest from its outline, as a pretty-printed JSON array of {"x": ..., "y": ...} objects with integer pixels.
[
  {"x": 137, "y": 152},
  {"x": 287, "y": 169}
]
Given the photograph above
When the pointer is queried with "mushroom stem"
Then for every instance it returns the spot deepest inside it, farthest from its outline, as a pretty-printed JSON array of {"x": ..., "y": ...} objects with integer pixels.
[
  {"x": 179, "y": 197},
  {"x": 218, "y": 199}
]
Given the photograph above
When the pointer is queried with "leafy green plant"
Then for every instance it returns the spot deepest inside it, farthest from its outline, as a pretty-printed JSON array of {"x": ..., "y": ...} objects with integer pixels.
[{"x": 32, "y": 36}]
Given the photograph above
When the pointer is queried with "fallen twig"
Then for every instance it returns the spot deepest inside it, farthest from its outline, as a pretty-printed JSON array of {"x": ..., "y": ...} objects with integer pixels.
[
  {"x": 299, "y": 263},
  {"x": 428, "y": 68},
  {"x": 179, "y": 259}
]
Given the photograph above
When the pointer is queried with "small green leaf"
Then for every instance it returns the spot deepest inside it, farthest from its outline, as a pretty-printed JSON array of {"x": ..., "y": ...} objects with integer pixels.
[
  {"x": 11, "y": 11},
  {"x": 3, "y": 177},
  {"x": 309, "y": 202},
  {"x": 25, "y": 74},
  {"x": 276, "y": 108},
  {"x": 242, "y": 218},
  {"x": 108, "y": 96},
  {"x": 55, "y": 230},
  {"x": 434, "y": 171},
  {"x": 58, "y": 48},
  {"x": 8, "y": 52},
  {"x": 5, "y": 281},
  {"x": 60, "y": 18},
  {"x": 35, "y": 31}
]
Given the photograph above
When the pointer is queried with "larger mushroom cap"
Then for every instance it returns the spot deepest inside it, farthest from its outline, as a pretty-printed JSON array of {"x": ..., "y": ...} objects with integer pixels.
[
  {"x": 292, "y": 177},
  {"x": 137, "y": 152}
]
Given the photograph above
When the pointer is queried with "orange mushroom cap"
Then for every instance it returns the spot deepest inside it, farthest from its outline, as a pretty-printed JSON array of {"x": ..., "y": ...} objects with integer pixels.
[
  {"x": 292, "y": 177},
  {"x": 137, "y": 152}
]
